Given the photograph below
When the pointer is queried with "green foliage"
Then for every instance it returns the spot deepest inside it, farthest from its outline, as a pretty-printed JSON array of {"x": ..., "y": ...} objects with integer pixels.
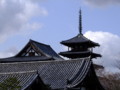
[{"x": 10, "y": 84}]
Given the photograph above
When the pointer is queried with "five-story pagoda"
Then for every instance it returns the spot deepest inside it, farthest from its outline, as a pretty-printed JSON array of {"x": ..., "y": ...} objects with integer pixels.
[{"x": 79, "y": 46}]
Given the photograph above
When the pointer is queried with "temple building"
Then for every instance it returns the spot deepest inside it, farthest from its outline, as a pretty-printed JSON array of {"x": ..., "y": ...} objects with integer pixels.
[{"x": 38, "y": 67}]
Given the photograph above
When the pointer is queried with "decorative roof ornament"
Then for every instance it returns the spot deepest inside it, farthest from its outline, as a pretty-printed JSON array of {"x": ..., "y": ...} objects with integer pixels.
[{"x": 80, "y": 22}]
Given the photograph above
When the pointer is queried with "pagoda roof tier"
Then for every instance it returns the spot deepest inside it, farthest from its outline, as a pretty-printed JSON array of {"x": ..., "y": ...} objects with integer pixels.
[
  {"x": 82, "y": 54},
  {"x": 79, "y": 40}
]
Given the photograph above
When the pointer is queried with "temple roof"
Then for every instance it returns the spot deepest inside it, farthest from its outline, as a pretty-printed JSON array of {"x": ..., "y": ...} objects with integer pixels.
[
  {"x": 44, "y": 52},
  {"x": 79, "y": 40},
  {"x": 41, "y": 48},
  {"x": 53, "y": 73}
]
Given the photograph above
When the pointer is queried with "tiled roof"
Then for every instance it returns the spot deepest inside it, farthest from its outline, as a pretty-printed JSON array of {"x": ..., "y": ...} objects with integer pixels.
[
  {"x": 79, "y": 39},
  {"x": 25, "y": 78},
  {"x": 49, "y": 54},
  {"x": 41, "y": 48},
  {"x": 53, "y": 73},
  {"x": 46, "y": 49}
]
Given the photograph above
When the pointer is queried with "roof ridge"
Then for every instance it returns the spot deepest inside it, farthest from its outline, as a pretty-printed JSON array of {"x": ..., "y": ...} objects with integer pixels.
[{"x": 38, "y": 42}]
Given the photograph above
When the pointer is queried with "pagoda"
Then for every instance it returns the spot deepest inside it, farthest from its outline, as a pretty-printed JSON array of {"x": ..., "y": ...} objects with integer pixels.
[{"x": 79, "y": 46}]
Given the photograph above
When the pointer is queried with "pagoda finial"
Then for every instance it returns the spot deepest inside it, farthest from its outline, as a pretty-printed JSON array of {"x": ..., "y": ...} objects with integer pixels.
[{"x": 80, "y": 22}]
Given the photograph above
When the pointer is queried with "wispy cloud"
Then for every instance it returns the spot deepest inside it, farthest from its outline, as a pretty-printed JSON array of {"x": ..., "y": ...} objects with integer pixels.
[
  {"x": 102, "y": 3},
  {"x": 16, "y": 16}
]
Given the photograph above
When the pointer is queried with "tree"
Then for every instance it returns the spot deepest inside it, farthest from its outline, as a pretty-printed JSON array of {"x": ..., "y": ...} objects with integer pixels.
[
  {"x": 111, "y": 81},
  {"x": 11, "y": 83}
]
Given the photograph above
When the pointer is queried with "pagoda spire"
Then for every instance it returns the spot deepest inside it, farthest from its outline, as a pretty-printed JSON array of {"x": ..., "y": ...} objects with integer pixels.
[
  {"x": 80, "y": 46},
  {"x": 80, "y": 22}
]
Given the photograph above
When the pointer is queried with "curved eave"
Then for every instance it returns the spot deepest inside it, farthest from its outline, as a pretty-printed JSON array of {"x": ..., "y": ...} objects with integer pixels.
[
  {"x": 95, "y": 55},
  {"x": 80, "y": 40},
  {"x": 80, "y": 76}
]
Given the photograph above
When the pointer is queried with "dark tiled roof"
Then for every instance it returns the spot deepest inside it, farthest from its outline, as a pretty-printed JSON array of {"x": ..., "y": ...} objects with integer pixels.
[
  {"x": 25, "y": 59},
  {"x": 25, "y": 78},
  {"x": 81, "y": 54},
  {"x": 79, "y": 39},
  {"x": 49, "y": 54},
  {"x": 53, "y": 73},
  {"x": 47, "y": 50},
  {"x": 41, "y": 48}
]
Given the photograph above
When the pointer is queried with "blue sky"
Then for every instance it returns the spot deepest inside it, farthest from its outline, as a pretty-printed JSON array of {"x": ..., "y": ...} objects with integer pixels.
[{"x": 51, "y": 21}]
